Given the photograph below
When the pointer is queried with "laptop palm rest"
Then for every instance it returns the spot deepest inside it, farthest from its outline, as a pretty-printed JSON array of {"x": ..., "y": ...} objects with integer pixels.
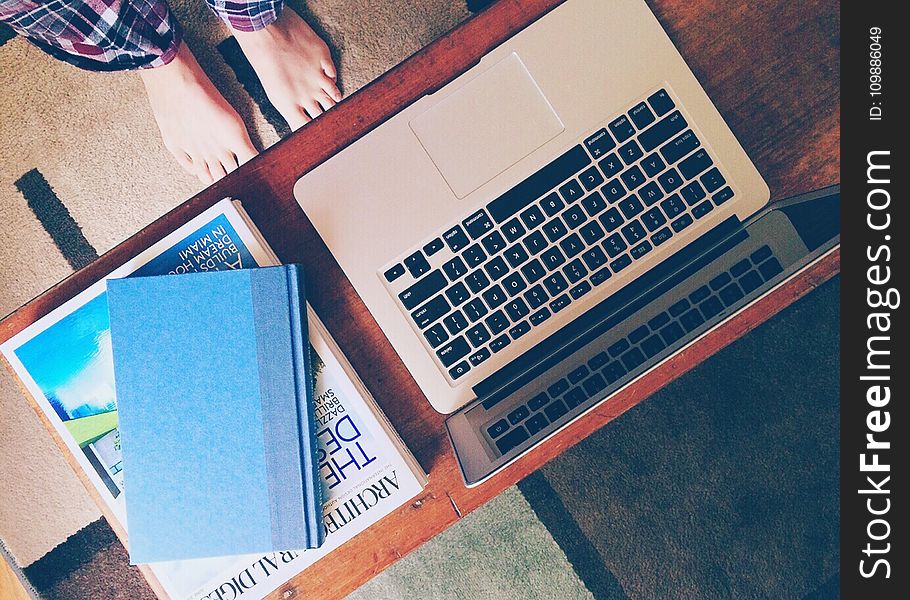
[{"x": 486, "y": 126}]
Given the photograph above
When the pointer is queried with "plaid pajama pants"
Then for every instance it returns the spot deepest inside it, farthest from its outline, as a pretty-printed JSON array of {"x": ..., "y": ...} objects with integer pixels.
[{"x": 117, "y": 35}]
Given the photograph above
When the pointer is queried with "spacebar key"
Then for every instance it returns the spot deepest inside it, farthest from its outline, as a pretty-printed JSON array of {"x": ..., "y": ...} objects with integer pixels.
[{"x": 538, "y": 184}]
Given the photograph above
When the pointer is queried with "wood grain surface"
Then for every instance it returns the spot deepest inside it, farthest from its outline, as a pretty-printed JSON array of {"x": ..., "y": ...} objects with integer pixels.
[{"x": 772, "y": 69}]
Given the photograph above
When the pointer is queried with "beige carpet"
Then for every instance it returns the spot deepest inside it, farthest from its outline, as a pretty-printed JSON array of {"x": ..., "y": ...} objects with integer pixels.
[{"x": 92, "y": 137}]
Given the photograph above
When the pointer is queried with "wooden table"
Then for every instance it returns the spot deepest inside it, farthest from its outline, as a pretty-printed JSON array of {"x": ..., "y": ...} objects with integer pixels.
[{"x": 771, "y": 69}]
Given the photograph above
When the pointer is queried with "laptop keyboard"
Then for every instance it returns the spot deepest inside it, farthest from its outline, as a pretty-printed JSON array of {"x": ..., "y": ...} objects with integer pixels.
[
  {"x": 563, "y": 231},
  {"x": 537, "y": 417}
]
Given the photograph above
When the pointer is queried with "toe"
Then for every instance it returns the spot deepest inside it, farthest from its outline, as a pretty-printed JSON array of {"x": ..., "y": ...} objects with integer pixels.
[
  {"x": 331, "y": 89},
  {"x": 324, "y": 100},
  {"x": 244, "y": 151},
  {"x": 328, "y": 67},
  {"x": 312, "y": 107},
  {"x": 296, "y": 117},
  {"x": 215, "y": 168},
  {"x": 202, "y": 171},
  {"x": 228, "y": 161}
]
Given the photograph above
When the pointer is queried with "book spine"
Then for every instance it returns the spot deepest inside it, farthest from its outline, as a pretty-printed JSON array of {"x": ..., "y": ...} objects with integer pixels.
[{"x": 306, "y": 419}]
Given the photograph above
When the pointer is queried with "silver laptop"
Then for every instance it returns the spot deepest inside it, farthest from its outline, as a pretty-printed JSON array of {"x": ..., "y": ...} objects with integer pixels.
[{"x": 482, "y": 219}]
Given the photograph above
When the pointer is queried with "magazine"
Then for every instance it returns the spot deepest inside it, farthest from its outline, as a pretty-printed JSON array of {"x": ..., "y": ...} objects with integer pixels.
[{"x": 65, "y": 364}]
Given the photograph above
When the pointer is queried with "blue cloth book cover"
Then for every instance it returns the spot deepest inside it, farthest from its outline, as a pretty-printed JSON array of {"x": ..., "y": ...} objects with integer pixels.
[{"x": 214, "y": 391}]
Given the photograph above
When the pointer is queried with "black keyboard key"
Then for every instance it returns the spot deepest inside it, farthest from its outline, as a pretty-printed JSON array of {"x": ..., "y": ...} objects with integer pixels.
[
  {"x": 475, "y": 309},
  {"x": 517, "y": 309},
  {"x": 477, "y": 281},
  {"x": 692, "y": 192},
  {"x": 601, "y": 276},
  {"x": 650, "y": 193},
  {"x": 433, "y": 247},
  {"x": 611, "y": 219},
  {"x": 673, "y": 206},
  {"x": 622, "y": 129},
  {"x": 539, "y": 317},
  {"x": 479, "y": 356},
  {"x": 692, "y": 320},
  {"x": 711, "y": 307},
  {"x": 591, "y": 232},
  {"x": 661, "y": 236},
  {"x": 702, "y": 209},
  {"x": 577, "y": 375},
  {"x": 695, "y": 164},
  {"x": 436, "y": 335},
  {"x": 513, "y": 230},
  {"x": 594, "y": 258},
  {"x": 652, "y": 164},
  {"x": 653, "y": 219},
  {"x": 678, "y": 308},
  {"x": 662, "y": 131},
  {"x": 493, "y": 242},
  {"x": 720, "y": 281},
  {"x": 630, "y": 152},
  {"x": 536, "y": 296},
  {"x": 554, "y": 229},
  {"x": 632, "y": 178},
  {"x": 512, "y": 439},
  {"x": 496, "y": 268},
  {"x": 659, "y": 321},
  {"x": 681, "y": 223},
  {"x": 519, "y": 414},
  {"x": 760, "y": 254},
  {"x": 722, "y": 196},
  {"x": 423, "y": 290},
  {"x": 555, "y": 283},
  {"x": 453, "y": 351},
  {"x": 580, "y": 290},
  {"x": 750, "y": 281},
  {"x": 641, "y": 115},
  {"x": 680, "y": 146},
  {"x": 638, "y": 334},
  {"x": 478, "y": 335},
  {"x": 575, "y": 397},
  {"x": 598, "y": 360},
  {"x": 537, "y": 423},
  {"x": 513, "y": 284},
  {"x": 700, "y": 294},
  {"x": 591, "y": 178},
  {"x": 526, "y": 192},
  {"x": 614, "y": 371},
  {"x": 499, "y": 343},
  {"x": 594, "y": 384},
  {"x": 634, "y": 232},
  {"x": 459, "y": 369},
  {"x": 560, "y": 303},
  {"x": 455, "y": 322},
  {"x": 652, "y": 346},
  {"x": 552, "y": 204},
  {"x": 712, "y": 180},
  {"x": 613, "y": 190},
  {"x": 632, "y": 359},
  {"x": 497, "y": 322},
  {"x": 600, "y": 143},
  {"x": 740, "y": 267},
  {"x": 610, "y": 165},
  {"x": 474, "y": 255},
  {"x": 574, "y": 217},
  {"x": 455, "y": 268},
  {"x": 532, "y": 217},
  {"x": 478, "y": 224},
  {"x": 672, "y": 333},
  {"x": 618, "y": 348},
  {"x": 640, "y": 250},
  {"x": 621, "y": 263},
  {"x": 457, "y": 294},
  {"x": 552, "y": 258},
  {"x": 519, "y": 330},
  {"x": 572, "y": 245},
  {"x": 494, "y": 297},
  {"x": 538, "y": 401},
  {"x": 661, "y": 102},
  {"x": 455, "y": 238},
  {"x": 555, "y": 410},
  {"x": 594, "y": 203},
  {"x": 429, "y": 312},
  {"x": 394, "y": 273},
  {"x": 571, "y": 191},
  {"x": 615, "y": 245},
  {"x": 533, "y": 271},
  {"x": 558, "y": 388},
  {"x": 535, "y": 242},
  {"x": 731, "y": 294},
  {"x": 770, "y": 268},
  {"x": 669, "y": 181},
  {"x": 631, "y": 206}
]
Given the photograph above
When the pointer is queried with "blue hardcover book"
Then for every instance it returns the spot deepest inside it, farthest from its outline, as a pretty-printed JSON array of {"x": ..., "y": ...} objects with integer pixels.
[{"x": 214, "y": 391}]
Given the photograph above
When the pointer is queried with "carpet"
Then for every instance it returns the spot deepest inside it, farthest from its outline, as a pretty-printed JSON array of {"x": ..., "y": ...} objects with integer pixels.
[{"x": 719, "y": 486}]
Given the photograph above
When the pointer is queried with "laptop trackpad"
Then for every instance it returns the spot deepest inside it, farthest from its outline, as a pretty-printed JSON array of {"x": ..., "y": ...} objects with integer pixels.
[{"x": 485, "y": 127}]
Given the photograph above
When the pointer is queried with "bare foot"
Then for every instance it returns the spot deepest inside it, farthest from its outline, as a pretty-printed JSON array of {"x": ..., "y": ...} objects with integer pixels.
[
  {"x": 294, "y": 66},
  {"x": 198, "y": 126}
]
